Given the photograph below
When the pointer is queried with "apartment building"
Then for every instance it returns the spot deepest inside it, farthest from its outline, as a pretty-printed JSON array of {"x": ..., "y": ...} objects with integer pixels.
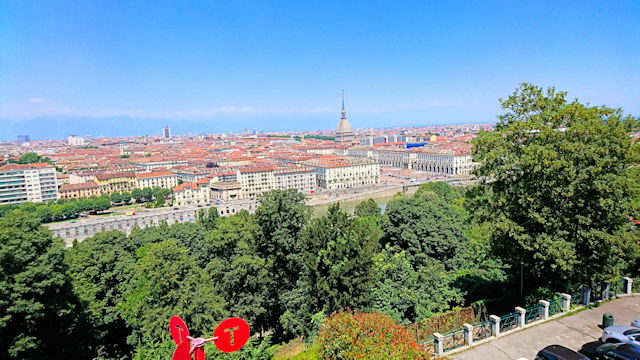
[
  {"x": 27, "y": 182},
  {"x": 116, "y": 181},
  {"x": 192, "y": 194},
  {"x": 226, "y": 190},
  {"x": 338, "y": 173},
  {"x": 303, "y": 179},
  {"x": 256, "y": 180},
  {"x": 80, "y": 190},
  {"x": 163, "y": 179}
]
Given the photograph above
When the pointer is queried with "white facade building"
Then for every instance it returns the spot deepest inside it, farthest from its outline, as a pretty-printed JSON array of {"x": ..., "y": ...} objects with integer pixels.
[
  {"x": 303, "y": 179},
  {"x": 163, "y": 179},
  {"x": 192, "y": 194},
  {"x": 28, "y": 182},
  {"x": 339, "y": 173}
]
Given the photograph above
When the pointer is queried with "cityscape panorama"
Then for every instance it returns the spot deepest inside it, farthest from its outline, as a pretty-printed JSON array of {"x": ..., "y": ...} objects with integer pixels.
[{"x": 339, "y": 180}]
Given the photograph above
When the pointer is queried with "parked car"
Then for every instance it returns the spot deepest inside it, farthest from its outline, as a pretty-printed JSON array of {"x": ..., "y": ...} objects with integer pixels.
[
  {"x": 636, "y": 323},
  {"x": 621, "y": 333},
  {"x": 610, "y": 351},
  {"x": 559, "y": 352}
]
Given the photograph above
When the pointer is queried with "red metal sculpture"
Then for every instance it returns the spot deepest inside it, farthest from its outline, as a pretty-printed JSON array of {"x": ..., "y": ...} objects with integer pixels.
[{"x": 229, "y": 336}]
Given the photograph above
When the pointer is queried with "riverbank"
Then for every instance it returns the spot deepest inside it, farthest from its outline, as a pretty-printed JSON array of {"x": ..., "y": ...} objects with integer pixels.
[{"x": 349, "y": 201}]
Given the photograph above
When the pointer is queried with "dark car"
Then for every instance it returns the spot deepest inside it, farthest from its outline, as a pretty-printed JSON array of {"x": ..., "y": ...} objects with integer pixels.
[
  {"x": 559, "y": 352},
  {"x": 619, "y": 351}
]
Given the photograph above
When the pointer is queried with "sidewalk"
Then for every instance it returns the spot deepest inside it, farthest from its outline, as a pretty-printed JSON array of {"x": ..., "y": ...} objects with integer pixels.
[{"x": 571, "y": 331}]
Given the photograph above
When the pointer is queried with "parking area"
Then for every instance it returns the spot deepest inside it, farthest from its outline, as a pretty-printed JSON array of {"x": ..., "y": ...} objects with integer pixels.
[{"x": 571, "y": 331}]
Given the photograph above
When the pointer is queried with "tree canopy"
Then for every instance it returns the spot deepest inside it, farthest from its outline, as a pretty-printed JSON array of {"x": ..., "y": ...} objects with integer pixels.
[{"x": 559, "y": 177}]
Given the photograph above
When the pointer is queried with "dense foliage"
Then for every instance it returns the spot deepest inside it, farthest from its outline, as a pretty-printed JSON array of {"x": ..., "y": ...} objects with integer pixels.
[{"x": 559, "y": 178}]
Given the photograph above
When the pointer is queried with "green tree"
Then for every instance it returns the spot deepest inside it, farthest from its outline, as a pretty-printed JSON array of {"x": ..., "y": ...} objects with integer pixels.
[
  {"x": 147, "y": 194},
  {"x": 368, "y": 208},
  {"x": 237, "y": 269},
  {"x": 167, "y": 282},
  {"x": 100, "y": 267},
  {"x": 282, "y": 215},
  {"x": 160, "y": 201},
  {"x": 338, "y": 261},
  {"x": 138, "y": 195},
  {"x": 559, "y": 175},
  {"x": 101, "y": 204},
  {"x": 126, "y": 197},
  {"x": 115, "y": 197},
  {"x": 425, "y": 229},
  {"x": 33, "y": 158},
  {"x": 409, "y": 295},
  {"x": 39, "y": 314},
  {"x": 208, "y": 218},
  {"x": 44, "y": 213},
  {"x": 442, "y": 189}
]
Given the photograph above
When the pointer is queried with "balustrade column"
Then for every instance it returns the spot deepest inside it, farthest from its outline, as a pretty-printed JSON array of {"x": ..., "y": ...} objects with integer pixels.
[
  {"x": 495, "y": 325},
  {"x": 521, "y": 316},
  {"x": 586, "y": 295},
  {"x": 565, "y": 303},
  {"x": 545, "y": 309},
  {"x": 604, "y": 290},
  {"x": 628, "y": 282},
  {"x": 468, "y": 334},
  {"x": 438, "y": 340}
]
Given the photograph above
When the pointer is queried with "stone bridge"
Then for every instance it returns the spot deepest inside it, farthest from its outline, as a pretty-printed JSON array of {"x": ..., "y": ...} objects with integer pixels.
[{"x": 84, "y": 228}]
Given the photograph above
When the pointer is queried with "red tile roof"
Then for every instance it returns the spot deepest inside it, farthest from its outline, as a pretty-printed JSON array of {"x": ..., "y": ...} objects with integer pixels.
[
  {"x": 13, "y": 166},
  {"x": 154, "y": 174}
]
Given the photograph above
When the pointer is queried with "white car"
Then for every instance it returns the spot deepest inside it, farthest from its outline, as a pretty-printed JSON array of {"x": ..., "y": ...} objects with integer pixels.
[
  {"x": 636, "y": 323},
  {"x": 621, "y": 334}
]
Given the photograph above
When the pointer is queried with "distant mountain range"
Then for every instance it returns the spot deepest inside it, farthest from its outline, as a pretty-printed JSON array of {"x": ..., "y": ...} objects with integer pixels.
[{"x": 61, "y": 127}]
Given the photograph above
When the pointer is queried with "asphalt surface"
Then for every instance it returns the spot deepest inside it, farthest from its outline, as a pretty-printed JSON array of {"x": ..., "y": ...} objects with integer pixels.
[{"x": 571, "y": 331}]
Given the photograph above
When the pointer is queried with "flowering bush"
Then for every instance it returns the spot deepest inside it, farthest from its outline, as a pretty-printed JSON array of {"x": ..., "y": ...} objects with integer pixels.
[{"x": 353, "y": 335}]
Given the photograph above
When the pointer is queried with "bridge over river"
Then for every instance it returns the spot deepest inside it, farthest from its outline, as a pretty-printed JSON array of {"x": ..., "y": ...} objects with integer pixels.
[{"x": 572, "y": 331}]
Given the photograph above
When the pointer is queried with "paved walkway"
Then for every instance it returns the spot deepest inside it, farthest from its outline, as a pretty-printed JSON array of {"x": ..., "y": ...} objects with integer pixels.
[{"x": 571, "y": 331}]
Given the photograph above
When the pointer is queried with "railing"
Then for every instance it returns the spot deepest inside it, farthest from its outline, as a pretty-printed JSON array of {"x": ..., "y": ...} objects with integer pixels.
[
  {"x": 453, "y": 340},
  {"x": 481, "y": 330},
  {"x": 533, "y": 313},
  {"x": 576, "y": 299},
  {"x": 555, "y": 306},
  {"x": 429, "y": 346},
  {"x": 509, "y": 322},
  {"x": 616, "y": 288}
]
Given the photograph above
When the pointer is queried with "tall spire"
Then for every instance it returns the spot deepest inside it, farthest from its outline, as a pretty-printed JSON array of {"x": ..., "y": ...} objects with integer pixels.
[{"x": 344, "y": 113}]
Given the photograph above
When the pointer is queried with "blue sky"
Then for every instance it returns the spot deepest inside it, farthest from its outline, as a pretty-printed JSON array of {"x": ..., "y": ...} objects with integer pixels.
[{"x": 225, "y": 65}]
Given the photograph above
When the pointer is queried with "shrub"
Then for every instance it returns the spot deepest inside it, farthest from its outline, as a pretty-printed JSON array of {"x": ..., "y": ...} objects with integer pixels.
[{"x": 353, "y": 335}]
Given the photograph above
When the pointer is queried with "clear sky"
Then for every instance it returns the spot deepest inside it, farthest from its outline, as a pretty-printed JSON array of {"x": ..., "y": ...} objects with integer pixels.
[{"x": 67, "y": 66}]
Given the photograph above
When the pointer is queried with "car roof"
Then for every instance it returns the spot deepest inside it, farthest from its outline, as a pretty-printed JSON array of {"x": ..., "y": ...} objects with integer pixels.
[
  {"x": 564, "y": 352},
  {"x": 619, "y": 328}
]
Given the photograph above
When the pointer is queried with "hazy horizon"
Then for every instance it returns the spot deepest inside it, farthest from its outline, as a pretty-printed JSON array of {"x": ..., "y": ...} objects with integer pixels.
[{"x": 116, "y": 69}]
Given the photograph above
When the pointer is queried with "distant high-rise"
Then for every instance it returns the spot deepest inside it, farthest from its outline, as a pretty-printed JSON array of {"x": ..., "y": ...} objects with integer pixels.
[
  {"x": 23, "y": 139},
  {"x": 166, "y": 132},
  {"x": 344, "y": 133}
]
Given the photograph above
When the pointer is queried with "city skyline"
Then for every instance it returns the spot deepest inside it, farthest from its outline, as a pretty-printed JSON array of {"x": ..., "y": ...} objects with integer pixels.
[{"x": 210, "y": 68}]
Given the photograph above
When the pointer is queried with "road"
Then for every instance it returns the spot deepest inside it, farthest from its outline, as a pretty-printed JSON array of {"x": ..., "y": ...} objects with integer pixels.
[{"x": 571, "y": 331}]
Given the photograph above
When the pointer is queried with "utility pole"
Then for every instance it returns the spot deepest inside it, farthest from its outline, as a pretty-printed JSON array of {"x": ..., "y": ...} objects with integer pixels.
[{"x": 521, "y": 279}]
